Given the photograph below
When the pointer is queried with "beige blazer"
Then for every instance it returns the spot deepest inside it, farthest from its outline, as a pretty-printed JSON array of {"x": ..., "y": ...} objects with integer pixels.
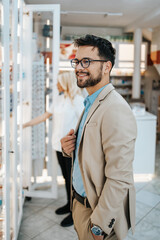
[{"x": 105, "y": 155}]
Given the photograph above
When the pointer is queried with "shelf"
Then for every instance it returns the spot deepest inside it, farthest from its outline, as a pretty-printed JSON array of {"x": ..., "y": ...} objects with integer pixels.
[
  {"x": 118, "y": 75},
  {"x": 122, "y": 85}
]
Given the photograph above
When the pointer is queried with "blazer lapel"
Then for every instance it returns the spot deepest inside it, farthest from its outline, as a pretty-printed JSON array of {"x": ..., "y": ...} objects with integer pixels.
[
  {"x": 77, "y": 126},
  {"x": 95, "y": 106},
  {"x": 98, "y": 101}
]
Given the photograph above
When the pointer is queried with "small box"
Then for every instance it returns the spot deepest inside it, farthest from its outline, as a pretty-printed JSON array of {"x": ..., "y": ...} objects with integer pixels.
[{"x": 138, "y": 108}]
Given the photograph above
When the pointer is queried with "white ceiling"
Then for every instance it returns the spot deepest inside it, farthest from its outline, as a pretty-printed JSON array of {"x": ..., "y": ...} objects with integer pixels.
[{"x": 136, "y": 13}]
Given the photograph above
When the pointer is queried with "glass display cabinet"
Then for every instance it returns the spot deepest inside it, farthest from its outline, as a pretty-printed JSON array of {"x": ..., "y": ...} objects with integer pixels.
[{"x": 17, "y": 65}]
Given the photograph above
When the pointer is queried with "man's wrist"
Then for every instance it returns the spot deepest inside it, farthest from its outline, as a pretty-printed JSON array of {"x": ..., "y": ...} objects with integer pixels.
[{"x": 96, "y": 230}]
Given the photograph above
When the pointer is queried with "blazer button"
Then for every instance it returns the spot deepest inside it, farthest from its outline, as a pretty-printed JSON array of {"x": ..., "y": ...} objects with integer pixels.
[{"x": 110, "y": 225}]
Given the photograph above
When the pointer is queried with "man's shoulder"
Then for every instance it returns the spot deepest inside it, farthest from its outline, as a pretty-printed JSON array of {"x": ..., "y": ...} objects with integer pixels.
[
  {"x": 115, "y": 104},
  {"x": 111, "y": 96}
]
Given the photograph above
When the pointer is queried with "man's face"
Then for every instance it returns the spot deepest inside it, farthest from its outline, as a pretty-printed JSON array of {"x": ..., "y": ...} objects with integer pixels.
[{"x": 87, "y": 77}]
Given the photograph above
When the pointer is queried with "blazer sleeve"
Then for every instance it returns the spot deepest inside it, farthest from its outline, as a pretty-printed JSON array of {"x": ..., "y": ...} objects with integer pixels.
[{"x": 118, "y": 134}]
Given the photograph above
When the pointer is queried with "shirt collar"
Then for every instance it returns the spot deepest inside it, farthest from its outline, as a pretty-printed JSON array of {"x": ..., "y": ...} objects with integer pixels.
[{"x": 89, "y": 100}]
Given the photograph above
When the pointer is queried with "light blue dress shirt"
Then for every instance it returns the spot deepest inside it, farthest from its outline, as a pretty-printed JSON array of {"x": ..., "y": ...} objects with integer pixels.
[{"x": 77, "y": 177}]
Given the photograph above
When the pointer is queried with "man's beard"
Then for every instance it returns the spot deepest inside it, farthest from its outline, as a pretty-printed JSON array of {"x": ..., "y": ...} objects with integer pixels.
[{"x": 91, "y": 81}]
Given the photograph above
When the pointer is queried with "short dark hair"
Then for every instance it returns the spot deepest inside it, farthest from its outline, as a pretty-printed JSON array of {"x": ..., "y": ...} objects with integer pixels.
[{"x": 105, "y": 48}]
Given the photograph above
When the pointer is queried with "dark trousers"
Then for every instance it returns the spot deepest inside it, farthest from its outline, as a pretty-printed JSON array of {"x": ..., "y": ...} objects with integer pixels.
[{"x": 65, "y": 164}]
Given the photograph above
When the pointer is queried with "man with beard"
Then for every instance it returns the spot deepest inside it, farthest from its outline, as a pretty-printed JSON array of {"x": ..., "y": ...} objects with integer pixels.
[{"x": 102, "y": 148}]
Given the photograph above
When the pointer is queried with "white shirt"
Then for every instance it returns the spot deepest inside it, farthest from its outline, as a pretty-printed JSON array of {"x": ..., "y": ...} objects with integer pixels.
[{"x": 65, "y": 117}]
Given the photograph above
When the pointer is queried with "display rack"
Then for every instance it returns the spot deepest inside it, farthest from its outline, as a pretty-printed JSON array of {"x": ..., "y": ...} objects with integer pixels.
[
  {"x": 37, "y": 180},
  {"x": 5, "y": 167},
  {"x": 11, "y": 192},
  {"x": 123, "y": 85},
  {"x": 5, "y": 225},
  {"x": 38, "y": 108},
  {"x": 12, "y": 107}
]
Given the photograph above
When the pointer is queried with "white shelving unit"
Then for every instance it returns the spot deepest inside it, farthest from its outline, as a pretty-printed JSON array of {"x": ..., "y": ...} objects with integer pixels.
[
  {"x": 11, "y": 145},
  {"x": 37, "y": 178},
  {"x": 17, "y": 198},
  {"x": 5, "y": 225},
  {"x": 13, "y": 79}
]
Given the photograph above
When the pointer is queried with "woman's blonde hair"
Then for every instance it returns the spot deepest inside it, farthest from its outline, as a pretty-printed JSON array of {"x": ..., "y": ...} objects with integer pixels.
[{"x": 68, "y": 82}]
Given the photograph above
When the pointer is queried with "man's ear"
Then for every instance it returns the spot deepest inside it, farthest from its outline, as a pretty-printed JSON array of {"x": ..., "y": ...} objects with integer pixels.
[{"x": 108, "y": 66}]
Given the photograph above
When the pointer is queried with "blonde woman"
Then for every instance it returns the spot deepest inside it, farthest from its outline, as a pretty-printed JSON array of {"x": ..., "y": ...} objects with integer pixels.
[{"x": 66, "y": 111}]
